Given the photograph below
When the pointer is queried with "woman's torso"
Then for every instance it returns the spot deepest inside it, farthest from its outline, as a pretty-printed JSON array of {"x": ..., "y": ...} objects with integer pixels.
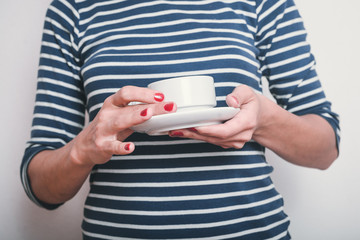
[{"x": 169, "y": 187}]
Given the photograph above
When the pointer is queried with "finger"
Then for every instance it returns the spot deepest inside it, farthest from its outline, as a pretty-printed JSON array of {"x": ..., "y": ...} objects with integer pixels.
[
  {"x": 137, "y": 114},
  {"x": 130, "y": 116},
  {"x": 122, "y": 135},
  {"x": 189, "y": 133},
  {"x": 236, "y": 141},
  {"x": 186, "y": 133},
  {"x": 225, "y": 130},
  {"x": 240, "y": 96},
  {"x": 244, "y": 120},
  {"x": 128, "y": 94},
  {"x": 118, "y": 148},
  {"x": 222, "y": 131},
  {"x": 236, "y": 145},
  {"x": 163, "y": 108}
]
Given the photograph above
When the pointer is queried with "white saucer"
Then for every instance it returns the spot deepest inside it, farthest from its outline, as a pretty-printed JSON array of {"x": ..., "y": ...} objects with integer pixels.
[{"x": 161, "y": 124}]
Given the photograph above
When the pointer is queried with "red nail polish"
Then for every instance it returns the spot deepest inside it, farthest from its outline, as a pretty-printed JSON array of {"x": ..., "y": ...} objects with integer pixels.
[
  {"x": 177, "y": 134},
  {"x": 169, "y": 107},
  {"x": 159, "y": 97},
  {"x": 127, "y": 147},
  {"x": 193, "y": 129},
  {"x": 144, "y": 112}
]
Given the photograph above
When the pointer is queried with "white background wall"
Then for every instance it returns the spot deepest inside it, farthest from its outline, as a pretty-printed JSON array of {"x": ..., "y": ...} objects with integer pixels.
[{"x": 321, "y": 204}]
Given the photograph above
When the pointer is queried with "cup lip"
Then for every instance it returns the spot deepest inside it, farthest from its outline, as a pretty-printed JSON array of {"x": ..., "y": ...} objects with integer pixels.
[
  {"x": 195, "y": 100},
  {"x": 180, "y": 78}
]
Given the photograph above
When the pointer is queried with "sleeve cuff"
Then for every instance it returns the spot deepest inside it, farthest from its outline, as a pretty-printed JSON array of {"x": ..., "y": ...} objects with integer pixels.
[{"x": 26, "y": 181}]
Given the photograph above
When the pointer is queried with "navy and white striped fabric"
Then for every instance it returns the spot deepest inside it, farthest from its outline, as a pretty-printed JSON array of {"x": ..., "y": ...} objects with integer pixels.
[{"x": 173, "y": 188}]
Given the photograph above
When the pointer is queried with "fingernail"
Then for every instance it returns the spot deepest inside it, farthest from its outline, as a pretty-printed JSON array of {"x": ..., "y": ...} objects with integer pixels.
[
  {"x": 127, "y": 147},
  {"x": 177, "y": 134},
  {"x": 169, "y": 107},
  {"x": 193, "y": 129},
  {"x": 236, "y": 101},
  {"x": 159, "y": 97},
  {"x": 144, "y": 112}
]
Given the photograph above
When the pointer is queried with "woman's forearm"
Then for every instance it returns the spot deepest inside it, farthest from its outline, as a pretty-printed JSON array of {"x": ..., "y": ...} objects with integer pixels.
[
  {"x": 55, "y": 175},
  {"x": 307, "y": 140}
]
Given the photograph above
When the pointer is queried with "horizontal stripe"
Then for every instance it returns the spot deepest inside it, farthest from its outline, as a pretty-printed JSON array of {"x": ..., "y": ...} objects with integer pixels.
[
  {"x": 53, "y": 130},
  {"x": 167, "y": 34},
  {"x": 173, "y": 44},
  {"x": 152, "y": 4},
  {"x": 167, "y": 142},
  {"x": 172, "y": 75},
  {"x": 58, "y": 119},
  {"x": 59, "y": 107},
  {"x": 288, "y": 61},
  {"x": 184, "y": 226},
  {"x": 59, "y": 95},
  {"x": 48, "y": 140},
  {"x": 188, "y": 155},
  {"x": 57, "y": 47},
  {"x": 182, "y": 169},
  {"x": 307, "y": 94},
  {"x": 161, "y": 24},
  {"x": 184, "y": 211},
  {"x": 239, "y": 234},
  {"x": 308, "y": 105},
  {"x": 51, "y": 57},
  {"x": 60, "y": 71},
  {"x": 59, "y": 83},
  {"x": 291, "y": 72},
  {"x": 182, "y": 198},
  {"x": 171, "y": 62},
  {"x": 171, "y": 53},
  {"x": 179, "y": 184}
]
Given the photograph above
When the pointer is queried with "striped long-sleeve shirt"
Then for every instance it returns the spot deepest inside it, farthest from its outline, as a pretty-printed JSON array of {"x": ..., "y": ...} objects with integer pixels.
[{"x": 173, "y": 188}]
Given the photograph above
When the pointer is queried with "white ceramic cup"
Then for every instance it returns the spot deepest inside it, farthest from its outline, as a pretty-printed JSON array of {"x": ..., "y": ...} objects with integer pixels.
[{"x": 189, "y": 93}]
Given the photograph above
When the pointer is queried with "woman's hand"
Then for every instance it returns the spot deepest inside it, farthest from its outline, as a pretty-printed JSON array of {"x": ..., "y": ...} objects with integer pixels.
[
  {"x": 57, "y": 175},
  {"x": 235, "y": 132},
  {"x": 306, "y": 140},
  {"x": 105, "y": 135}
]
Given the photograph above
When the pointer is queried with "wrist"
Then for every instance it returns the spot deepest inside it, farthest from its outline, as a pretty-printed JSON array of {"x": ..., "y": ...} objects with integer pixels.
[
  {"x": 269, "y": 118},
  {"x": 78, "y": 153}
]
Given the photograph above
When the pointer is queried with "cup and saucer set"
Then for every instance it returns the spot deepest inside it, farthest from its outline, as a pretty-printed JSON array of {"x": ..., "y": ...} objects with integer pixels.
[{"x": 194, "y": 108}]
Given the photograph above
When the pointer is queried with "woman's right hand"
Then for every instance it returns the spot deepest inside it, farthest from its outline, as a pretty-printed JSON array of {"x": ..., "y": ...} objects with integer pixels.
[{"x": 105, "y": 135}]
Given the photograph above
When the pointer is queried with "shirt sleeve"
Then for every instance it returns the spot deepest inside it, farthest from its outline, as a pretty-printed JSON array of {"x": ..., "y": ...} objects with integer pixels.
[
  {"x": 60, "y": 103},
  {"x": 288, "y": 64}
]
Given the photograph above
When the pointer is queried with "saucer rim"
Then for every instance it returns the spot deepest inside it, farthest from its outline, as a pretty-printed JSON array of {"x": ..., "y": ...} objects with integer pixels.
[{"x": 153, "y": 130}]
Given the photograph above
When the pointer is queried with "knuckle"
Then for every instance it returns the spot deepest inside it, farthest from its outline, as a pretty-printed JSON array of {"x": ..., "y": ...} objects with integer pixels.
[
  {"x": 126, "y": 93},
  {"x": 101, "y": 116},
  {"x": 252, "y": 124},
  {"x": 117, "y": 124},
  {"x": 243, "y": 138},
  {"x": 108, "y": 101},
  {"x": 247, "y": 136},
  {"x": 99, "y": 144},
  {"x": 245, "y": 88},
  {"x": 238, "y": 145},
  {"x": 115, "y": 149}
]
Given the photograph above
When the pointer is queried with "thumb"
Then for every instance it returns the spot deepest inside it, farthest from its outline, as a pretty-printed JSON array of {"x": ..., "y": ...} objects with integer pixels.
[
  {"x": 232, "y": 101},
  {"x": 241, "y": 95}
]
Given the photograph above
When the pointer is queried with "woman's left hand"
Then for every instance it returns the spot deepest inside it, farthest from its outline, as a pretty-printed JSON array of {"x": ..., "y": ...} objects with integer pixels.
[{"x": 235, "y": 132}]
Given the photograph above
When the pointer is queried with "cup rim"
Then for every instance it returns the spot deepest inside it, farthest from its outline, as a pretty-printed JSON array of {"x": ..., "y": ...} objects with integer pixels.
[{"x": 182, "y": 78}]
